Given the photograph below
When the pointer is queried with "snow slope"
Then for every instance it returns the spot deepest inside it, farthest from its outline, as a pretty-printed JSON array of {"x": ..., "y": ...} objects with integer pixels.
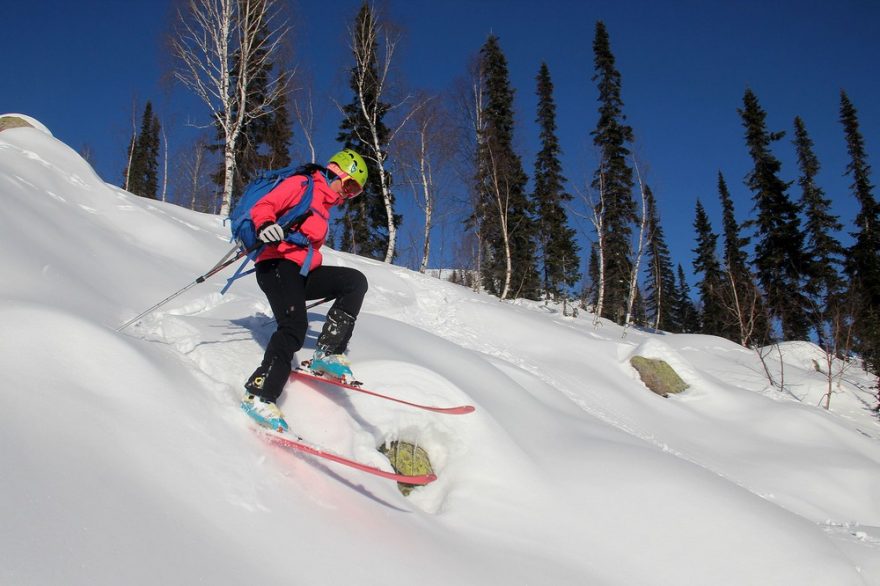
[{"x": 126, "y": 460}]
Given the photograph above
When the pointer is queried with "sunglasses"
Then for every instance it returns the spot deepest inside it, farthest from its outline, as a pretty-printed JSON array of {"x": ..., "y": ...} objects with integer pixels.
[{"x": 350, "y": 187}]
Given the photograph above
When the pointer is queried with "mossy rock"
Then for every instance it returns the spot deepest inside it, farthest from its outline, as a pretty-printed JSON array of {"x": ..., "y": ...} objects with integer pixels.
[
  {"x": 658, "y": 376},
  {"x": 408, "y": 459},
  {"x": 13, "y": 122}
]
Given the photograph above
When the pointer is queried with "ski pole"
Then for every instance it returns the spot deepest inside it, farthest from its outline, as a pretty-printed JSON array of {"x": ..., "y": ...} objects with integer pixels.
[
  {"x": 230, "y": 257},
  {"x": 317, "y": 303},
  {"x": 224, "y": 262}
]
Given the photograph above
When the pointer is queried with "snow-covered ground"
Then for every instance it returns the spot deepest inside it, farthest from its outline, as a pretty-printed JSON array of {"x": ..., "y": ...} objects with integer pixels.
[{"x": 125, "y": 458}]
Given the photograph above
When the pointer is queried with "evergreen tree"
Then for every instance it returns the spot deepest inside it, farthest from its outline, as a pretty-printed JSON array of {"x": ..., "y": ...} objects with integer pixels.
[
  {"x": 560, "y": 252},
  {"x": 735, "y": 255},
  {"x": 506, "y": 211},
  {"x": 711, "y": 287},
  {"x": 278, "y": 136},
  {"x": 745, "y": 313},
  {"x": 660, "y": 287},
  {"x": 779, "y": 255},
  {"x": 687, "y": 318},
  {"x": 144, "y": 171},
  {"x": 593, "y": 272},
  {"x": 863, "y": 261},
  {"x": 613, "y": 179},
  {"x": 824, "y": 253},
  {"x": 639, "y": 311},
  {"x": 364, "y": 221}
]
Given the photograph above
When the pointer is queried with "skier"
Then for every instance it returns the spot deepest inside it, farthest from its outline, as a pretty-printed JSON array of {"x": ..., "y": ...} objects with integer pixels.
[{"x": 281, "y": 273}]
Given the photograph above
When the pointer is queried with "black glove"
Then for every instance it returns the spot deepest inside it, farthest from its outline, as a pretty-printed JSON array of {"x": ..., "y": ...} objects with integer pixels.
[{"x": 270, "y": 233}]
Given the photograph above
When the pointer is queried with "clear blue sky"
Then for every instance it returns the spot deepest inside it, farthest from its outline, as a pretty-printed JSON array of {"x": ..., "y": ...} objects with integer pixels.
[{"x": 685, "y": 65}]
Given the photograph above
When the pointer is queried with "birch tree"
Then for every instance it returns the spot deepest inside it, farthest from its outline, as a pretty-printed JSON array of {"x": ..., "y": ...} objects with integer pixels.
[
  {"x": 639, "y": 252},
  {"x": 508, "y": 223},
  {"x": 424, "y": 149},
  {"x": 131, "y": 147},
  {"x": 613, "y": 138},
  {"x": 597, "y": 254},
  {"x": 472, "y": 97},
  {"x": 210, "y": 36},
  {"x": 304, "y": 112},
  {"x": 373, "y": 44}
]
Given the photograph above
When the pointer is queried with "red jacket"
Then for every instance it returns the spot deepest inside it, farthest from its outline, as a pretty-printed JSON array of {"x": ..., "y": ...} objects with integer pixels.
[{"x": 274, "y": 204}]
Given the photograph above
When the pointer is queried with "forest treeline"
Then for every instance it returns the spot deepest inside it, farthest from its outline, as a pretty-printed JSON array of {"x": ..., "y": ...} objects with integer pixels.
[{"x": 783, "y": 274}]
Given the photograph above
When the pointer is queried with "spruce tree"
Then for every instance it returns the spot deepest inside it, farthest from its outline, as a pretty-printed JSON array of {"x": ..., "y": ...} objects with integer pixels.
[
  {"x": 364, "y": 221},
  {"x": 779, "y": 255},
  {"x": 660, "y": 286},
  {"x": 144, "y": 171},
  {"x": 735, "y": 255},
  {"x": 613, "y": 179},
  {"x": 639, "y": 311},
  {"x": 559, "y": 250},
  {"x": 745, "y": 308},
  {"x": 593, "y": 273},
  {"x": 507, "y": 212},
  {"x": 278, "y": 136},
  {"x": 863, "y": 261},
  {"x": 712, "y": 284},
  {"x": 824, "y": 253},
  {"x": 686, "y": 316}
]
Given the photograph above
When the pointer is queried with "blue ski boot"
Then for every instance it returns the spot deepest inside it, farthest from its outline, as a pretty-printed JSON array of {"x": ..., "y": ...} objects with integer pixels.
[
  {"x": 265, "y": 413},
  {"x": 328, "y": 359},
  {"x": 335, "y": 366}
]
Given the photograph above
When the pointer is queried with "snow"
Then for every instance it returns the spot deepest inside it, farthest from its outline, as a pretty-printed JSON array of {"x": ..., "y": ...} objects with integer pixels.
[{"x": 126, "y": 460}]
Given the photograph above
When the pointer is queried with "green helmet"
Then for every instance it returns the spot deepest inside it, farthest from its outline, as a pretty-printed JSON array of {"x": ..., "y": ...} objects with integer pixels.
[{"x": 353, "y": 164}]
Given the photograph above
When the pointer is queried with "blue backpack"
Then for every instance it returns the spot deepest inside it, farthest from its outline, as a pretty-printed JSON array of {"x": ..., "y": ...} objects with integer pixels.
[{"x": 245, "y": 233}]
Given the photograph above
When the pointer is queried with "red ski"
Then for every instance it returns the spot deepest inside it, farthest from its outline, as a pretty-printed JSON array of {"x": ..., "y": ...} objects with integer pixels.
[
  {"x": 297, "y": 443},
  {"x": 355, "y": 386}
]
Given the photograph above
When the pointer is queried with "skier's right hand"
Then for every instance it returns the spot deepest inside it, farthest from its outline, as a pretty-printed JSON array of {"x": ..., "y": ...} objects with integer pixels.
[{"x": 270, "y": 233}]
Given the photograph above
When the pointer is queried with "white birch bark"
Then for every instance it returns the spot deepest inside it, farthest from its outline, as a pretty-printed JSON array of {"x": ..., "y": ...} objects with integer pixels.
[
  {"x": 370, "y": 33},
  {"x": 210, "y": 33},
  {"x": 637, "y": 261}
]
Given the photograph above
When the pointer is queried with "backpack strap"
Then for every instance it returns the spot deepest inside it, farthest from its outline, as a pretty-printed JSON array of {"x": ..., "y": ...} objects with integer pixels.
[
  {"x": 240, "y": 272},
  {"x": 301, "y": 212}
]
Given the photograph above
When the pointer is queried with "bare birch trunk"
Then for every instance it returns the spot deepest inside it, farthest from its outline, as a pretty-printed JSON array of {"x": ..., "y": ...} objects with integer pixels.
[
  {"x": 164, "y": 165},
  {"x": 427, "y": 183},
  {"x": 131, "y": 146},
  {"x": 208, "y": 38},
  {"x": 598, "y": 219},
  {"x": 306, "y": 118},
  {"x": 502, "y": 204},
  {"x": 637, "y": 261}
]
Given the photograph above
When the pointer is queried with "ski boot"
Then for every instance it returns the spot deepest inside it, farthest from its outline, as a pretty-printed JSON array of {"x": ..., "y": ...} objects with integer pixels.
[
  {"x": 328, "y": 360},
  {"x": 263, "y": 411},
  {"x": 335, "y": 366}
]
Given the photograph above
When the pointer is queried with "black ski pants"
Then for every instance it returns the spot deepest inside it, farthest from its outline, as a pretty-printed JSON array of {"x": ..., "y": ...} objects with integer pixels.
[{"x": 287, "y": 292}]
